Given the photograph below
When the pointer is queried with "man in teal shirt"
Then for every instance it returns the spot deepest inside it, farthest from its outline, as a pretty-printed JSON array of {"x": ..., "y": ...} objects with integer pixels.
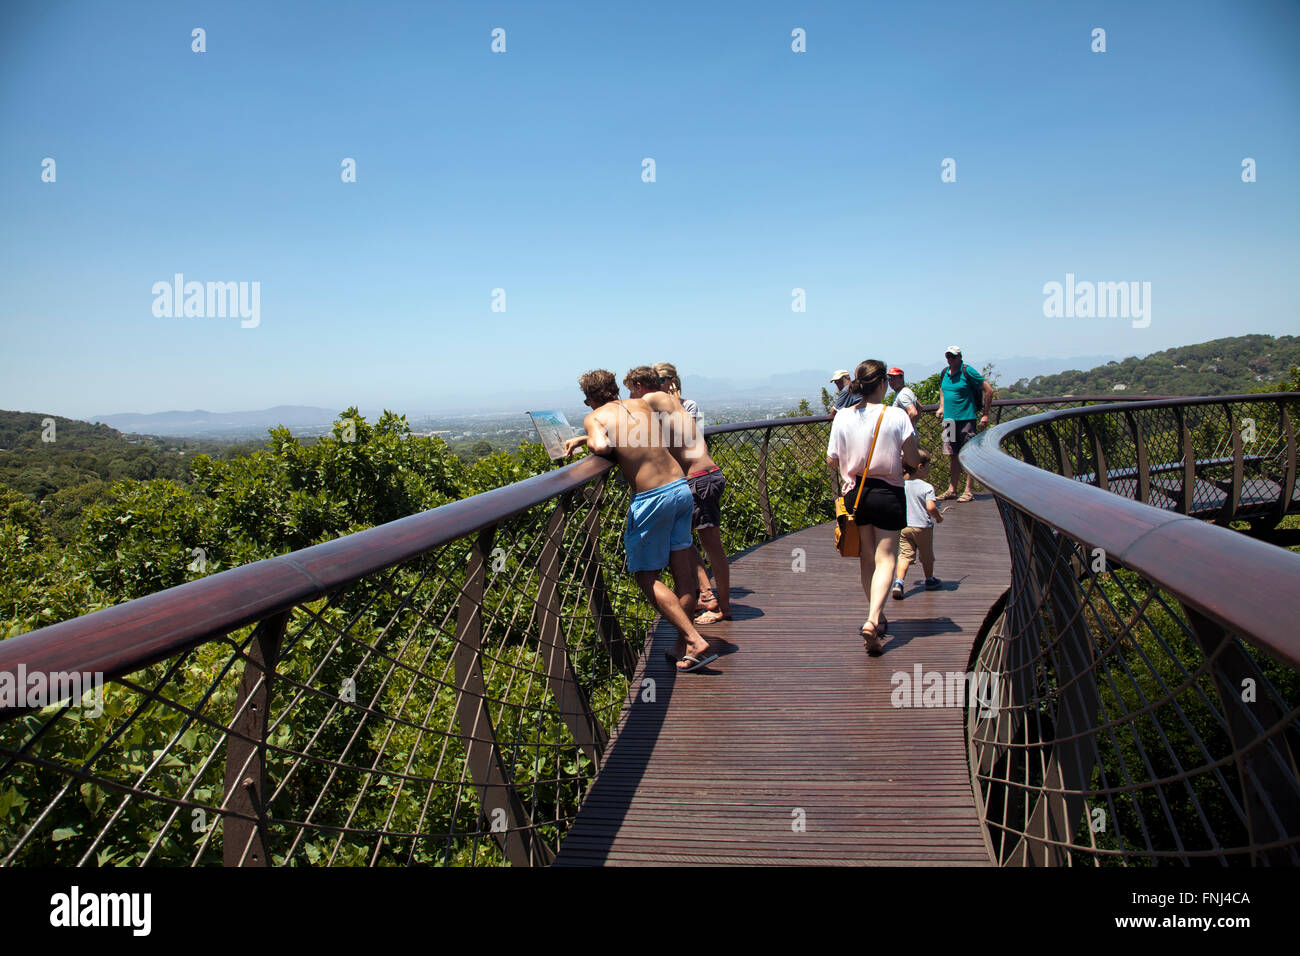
[{"x": 963, "y": 392}]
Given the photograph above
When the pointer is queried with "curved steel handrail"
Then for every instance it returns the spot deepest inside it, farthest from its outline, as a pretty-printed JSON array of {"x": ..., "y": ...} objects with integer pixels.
[
  {"x": 1211, "y": 561},
  {"x": 167, "y": 622},
  {"x": 550, "y": 615},
  {"x": 1143, "y": 662}
]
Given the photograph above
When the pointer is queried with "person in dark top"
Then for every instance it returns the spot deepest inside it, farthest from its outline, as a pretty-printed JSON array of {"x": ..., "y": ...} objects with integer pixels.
[{"x": 846, "y": 397}]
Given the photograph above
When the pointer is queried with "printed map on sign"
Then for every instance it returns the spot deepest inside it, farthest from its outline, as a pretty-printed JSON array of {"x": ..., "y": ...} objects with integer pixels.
[{"x": 553, "y": 429}]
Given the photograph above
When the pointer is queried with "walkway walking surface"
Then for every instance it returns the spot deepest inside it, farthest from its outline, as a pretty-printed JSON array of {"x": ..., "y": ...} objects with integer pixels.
[{"x": 787, "y": 749}]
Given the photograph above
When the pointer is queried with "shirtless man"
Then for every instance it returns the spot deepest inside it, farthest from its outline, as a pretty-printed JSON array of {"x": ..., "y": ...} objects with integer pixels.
[
  {"x": 705, "y": 478},
  {"x": 659, "y": 517}
]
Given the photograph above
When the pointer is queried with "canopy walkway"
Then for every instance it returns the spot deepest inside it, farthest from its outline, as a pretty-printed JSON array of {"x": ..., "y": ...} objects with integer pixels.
[
  {"x": 483, "y": 684},
  {"x": 787, "y": 749}
]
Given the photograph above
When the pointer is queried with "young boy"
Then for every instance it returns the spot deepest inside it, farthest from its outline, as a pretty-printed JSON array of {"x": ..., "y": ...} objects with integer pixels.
[{"x": 918, "y": 536}]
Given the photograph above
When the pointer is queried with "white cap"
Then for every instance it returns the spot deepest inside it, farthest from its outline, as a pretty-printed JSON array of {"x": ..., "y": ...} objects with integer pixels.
[
  {"x": 952, "y": 350},
  {"x": 842, "y": 373}
]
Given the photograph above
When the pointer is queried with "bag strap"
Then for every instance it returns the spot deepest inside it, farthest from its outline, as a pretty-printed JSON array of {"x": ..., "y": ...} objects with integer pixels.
[{"x": 862, "y": 483}]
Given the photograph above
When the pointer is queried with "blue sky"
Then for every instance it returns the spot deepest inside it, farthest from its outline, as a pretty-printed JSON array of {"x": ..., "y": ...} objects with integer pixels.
[{"x": 522, "y": 171}]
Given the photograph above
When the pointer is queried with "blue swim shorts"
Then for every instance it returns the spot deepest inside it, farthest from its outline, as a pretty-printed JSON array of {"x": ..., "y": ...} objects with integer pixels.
[{"x": 658, "y": 522}]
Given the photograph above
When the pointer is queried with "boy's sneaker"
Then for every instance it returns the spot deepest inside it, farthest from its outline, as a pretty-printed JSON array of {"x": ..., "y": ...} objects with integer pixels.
[
  {"x": 897, "y": 591},
  {"x": 933, "y": 584}
]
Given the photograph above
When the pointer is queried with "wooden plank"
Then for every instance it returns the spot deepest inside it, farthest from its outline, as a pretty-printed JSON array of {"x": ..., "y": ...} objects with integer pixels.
[{"x": 788, "y": 750}]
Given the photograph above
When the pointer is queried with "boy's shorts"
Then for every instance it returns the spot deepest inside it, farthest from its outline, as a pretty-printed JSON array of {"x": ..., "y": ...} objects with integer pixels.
[
  {"x": 658, "y": 523},
  {"x": 914, "y": 541}
]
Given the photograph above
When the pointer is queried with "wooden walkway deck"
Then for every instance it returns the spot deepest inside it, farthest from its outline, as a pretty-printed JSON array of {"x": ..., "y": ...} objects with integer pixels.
[{"x": 793, "y": 724}]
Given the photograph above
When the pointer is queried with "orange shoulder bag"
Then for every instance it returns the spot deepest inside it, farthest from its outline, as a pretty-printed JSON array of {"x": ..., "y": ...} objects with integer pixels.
[{"x": 847, "y": 542}]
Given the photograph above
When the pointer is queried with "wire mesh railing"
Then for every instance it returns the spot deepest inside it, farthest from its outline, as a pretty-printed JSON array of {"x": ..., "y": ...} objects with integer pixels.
[
  {"x": 434, "y": 691},
  {"x": 438, "y": 690},
  {"x": 1143, "y": 674}
]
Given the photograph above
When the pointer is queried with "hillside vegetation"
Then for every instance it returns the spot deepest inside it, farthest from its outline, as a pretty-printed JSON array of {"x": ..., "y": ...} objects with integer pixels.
[{"x": 1228, "y": 366}]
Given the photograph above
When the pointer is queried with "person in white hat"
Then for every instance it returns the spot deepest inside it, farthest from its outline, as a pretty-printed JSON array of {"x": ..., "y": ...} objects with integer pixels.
[
  {"x": 962, "y": 392},
  {"x": 844, "y": 398}
]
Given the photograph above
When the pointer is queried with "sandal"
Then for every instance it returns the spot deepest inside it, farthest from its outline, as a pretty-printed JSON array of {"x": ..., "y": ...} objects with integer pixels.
[
  {"x": 965, "y": 498},
  {"x": 711, "y": 616},
  {"x": 946, "y": 496},
  {"x": 872, "y": 640}
]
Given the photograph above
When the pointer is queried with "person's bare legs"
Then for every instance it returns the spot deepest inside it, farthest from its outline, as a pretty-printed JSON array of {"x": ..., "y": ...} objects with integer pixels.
[
  {"x": 867, "y": 569},
  {"x": 671, "y": 605},
  {"x": 702, "y": 578},
  {"x": 876, "y": 561},
  {"x": 711, "y": 539},
  {"x": 900, "y": 570},
  {"x": 954, "y": 474}
]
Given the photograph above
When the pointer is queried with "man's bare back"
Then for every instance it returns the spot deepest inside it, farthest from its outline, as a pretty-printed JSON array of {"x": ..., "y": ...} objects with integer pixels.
[
  {"x": 629, "y": 429},
  {"x": 680, "y": 431}
]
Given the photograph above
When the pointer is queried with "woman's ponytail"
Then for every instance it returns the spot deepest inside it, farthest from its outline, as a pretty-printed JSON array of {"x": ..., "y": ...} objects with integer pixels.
[{"x": 867, "y": 378}]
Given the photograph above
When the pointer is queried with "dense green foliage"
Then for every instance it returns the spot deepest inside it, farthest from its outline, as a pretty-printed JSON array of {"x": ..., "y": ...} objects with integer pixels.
[
  {"x": 143, "y": 536},
  {"x": 139, "y": 536},
  {"x": 99, "y": 542},
  {"x": 66, "y": 465}
]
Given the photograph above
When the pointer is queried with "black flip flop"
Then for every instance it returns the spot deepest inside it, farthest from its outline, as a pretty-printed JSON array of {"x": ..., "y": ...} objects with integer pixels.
[{"x": 699, "y": 662}]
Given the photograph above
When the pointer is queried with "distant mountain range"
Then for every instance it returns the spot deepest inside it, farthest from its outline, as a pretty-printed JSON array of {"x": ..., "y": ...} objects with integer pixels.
[
  {"x": 1207, "y": 368},
  {"x": 716, "y": 391},
  {"x": 200, "y": 422}
]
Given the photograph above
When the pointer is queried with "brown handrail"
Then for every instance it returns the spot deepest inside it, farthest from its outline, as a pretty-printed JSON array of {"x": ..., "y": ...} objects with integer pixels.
[
  {"x": 1246, "y": 586},
  {"x": 160, "y": 625},
  {"x": 120, "y": 639},
  {"x": 123, "y": 638}
]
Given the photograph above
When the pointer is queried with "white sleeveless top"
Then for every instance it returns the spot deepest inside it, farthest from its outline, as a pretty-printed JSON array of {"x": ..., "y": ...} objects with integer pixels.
[{"x": 851, "y": 437}]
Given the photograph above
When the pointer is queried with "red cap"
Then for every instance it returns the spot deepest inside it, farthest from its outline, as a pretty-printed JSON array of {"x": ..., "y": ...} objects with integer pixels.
[{"x": 895, "y": 371}]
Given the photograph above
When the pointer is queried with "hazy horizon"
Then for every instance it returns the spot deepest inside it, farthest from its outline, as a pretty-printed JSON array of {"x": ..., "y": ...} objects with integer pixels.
[{"x": 803, "y": 381}]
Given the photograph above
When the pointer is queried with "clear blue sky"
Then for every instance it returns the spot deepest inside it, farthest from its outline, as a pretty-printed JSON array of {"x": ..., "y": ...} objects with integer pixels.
[{"x": 522, "y": 171}]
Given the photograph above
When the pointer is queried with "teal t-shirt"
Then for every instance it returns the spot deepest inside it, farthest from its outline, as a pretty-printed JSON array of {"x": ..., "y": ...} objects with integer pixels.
[{"x": 963, "y": 398}]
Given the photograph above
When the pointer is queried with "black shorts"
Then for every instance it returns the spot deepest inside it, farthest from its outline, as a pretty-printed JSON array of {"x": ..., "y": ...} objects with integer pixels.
[
  {"x": 707, "y": 491},
  {"x": 882, "y": 505}
]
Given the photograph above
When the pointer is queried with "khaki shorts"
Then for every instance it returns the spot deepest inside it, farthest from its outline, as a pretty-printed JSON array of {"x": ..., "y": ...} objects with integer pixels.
[{"x": 912, "y": 541}]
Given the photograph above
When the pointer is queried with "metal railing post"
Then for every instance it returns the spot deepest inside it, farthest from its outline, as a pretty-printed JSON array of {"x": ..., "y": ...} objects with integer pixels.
[
  {"x": 1287, "y": 491},
  {"x": 1233, "y": 499},
  {"x": 1267, "y": 768},
  {"x": 769, "y": 529},
  {"x": 1143, "y": 488},
  {"x": 503, "y": 811},
  {"x": 244, "y": 842},
  {"x": 569, "y": 695},
  {"x": 599, "y": 605}
]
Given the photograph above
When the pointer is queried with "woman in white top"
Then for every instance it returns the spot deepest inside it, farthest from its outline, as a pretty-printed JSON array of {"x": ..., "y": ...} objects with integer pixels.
[{"x": 882, "y": 511}]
